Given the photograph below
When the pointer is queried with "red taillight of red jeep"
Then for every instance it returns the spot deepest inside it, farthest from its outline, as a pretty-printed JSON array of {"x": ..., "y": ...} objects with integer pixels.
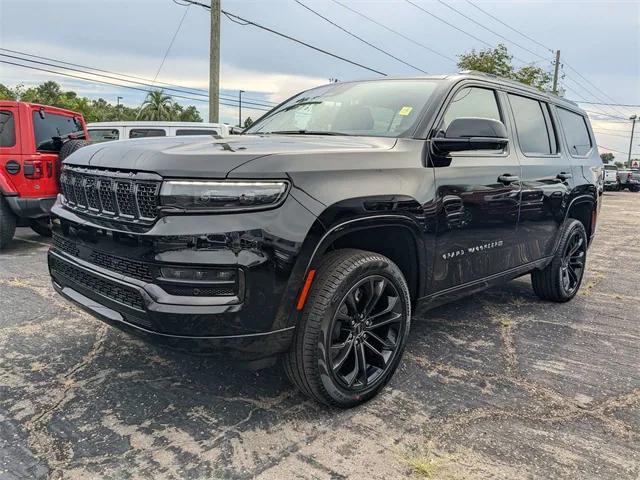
[{"x": 32, "y": 169}]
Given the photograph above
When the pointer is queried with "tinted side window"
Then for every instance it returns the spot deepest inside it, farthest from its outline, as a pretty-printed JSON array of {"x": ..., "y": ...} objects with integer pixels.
[
  {"x": 195, "y": 132},
  {"x": 7, "y": 129},
  {"x": 531, "y": 125},
  {"x": 472, "y": 102},
  {"x": 49, "y": 129},
  {"x": 575, "y": 129},
  {"x": 147, "y": 132}
]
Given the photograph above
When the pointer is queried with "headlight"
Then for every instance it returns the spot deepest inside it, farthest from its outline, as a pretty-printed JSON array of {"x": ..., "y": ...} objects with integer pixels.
[{"x": 199, "y": 195}]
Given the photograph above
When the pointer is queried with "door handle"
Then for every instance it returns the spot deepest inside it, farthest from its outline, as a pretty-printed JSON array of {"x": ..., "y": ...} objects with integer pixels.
[
  {"x": 564, "y": 176},
  {"x": 508, "y": 178}
]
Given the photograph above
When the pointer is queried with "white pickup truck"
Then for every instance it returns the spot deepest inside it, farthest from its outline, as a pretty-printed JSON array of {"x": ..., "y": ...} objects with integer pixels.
[{"x": 611, "y": 178}]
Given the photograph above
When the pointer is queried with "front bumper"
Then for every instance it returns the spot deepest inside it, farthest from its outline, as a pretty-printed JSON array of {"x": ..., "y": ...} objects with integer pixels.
[
  {"x": 114, "y": 276},
  {"x": 26, "y": 207}
]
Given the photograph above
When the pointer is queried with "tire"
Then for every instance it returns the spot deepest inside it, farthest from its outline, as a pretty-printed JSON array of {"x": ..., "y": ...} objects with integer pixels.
[
  {"x": 561, "y": 279},
  {"x": 42, "y": 226},
  {"x": 67, "y": 149},
  {"x": 327, "y": 326},
  {"x": 7, "y": 223}
]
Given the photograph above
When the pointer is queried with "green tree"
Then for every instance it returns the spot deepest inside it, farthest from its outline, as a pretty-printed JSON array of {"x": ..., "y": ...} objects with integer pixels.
[
  {"x": 498, "y": 61},
  {"x": 7, "y": 93},
  {"x": 619, "y": 164},
  {"x": 157, "y": 106},
  {"x": 248, "y": 122},
  {"x": 607, "y": 157}
]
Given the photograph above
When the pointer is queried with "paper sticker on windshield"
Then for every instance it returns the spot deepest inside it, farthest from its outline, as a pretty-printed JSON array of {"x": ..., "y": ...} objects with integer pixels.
[{"x": 404, "y": 111}]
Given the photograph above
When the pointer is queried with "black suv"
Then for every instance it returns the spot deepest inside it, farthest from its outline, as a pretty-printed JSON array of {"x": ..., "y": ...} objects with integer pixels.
[{"x": 315, "y": 234}]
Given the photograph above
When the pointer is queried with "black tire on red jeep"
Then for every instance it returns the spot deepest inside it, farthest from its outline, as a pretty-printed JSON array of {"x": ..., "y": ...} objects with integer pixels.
[
  {"x": 68, "y": 148},
  {"x": 7, "y": 223},
  {"x": 353, "y": 329}
]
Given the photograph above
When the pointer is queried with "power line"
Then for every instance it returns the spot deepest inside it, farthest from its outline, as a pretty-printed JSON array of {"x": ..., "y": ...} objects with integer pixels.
[
  {"x": 120, "y": 79},
  {"x": 629, "y": 105},
  {"x": 509, "y": 26},
  {"x": 617, "y": 151},
  {"x": 117, "y": 84},
  {"x": 243, "y": 21},
  {"x": 448, "y": 23},
  {"x": 605, "y": 114},
  {"x": 358, "y": 37},
  {"x": 549, "y": 49},
  {"x": 119, "y": 74},
  {"x": 402, "y": 35},
  {"x": 173, "y": 39},
  {"x": 490, "y": 30},
  {"x": 612, "y": 134}
]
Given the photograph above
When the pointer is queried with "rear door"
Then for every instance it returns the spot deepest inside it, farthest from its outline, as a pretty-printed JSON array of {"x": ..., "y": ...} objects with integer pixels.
[
  {"x": 477, "y": 197},
  {"x": 547, "y": 177}
]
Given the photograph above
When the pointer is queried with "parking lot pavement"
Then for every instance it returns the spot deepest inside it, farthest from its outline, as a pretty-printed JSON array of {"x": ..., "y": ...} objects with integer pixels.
[{"x": 498, "y": 385}]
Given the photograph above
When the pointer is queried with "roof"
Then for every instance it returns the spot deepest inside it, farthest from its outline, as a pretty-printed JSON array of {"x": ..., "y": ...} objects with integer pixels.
[
  {"x": 37, "y": 106},
  {"x": 472, "y": 74},
  {"x": 134, "y": 123}
]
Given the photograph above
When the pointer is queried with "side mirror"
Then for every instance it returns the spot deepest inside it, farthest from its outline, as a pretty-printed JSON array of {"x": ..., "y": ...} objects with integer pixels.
[{"x": 465, "y": 134}]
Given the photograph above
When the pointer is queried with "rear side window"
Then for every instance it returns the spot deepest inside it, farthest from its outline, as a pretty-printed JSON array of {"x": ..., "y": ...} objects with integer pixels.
[
  {"x": 533, "y": 124},
  {"x": 472, "y": 102},
  {"x": 147, "y": 132},
  {"x": 576, "y": 132},
  {"x": 98, "y": 135},
  {"x": 7, "y": 129},
  {"x": 48, "y": 128},
  {"x": 195, "y": 132}
]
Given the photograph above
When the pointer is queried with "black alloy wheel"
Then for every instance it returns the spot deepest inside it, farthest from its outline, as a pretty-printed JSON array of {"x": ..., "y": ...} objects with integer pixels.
[
  {"x": 560, "y": 280},
  {"x": 573, "y": 262},
  {"x": 353, "y": 329},
  {"x": 365, "y": 330}
]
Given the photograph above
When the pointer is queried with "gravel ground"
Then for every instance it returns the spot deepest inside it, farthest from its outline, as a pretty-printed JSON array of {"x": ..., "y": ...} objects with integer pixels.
[{"x": 498, "y": 385}]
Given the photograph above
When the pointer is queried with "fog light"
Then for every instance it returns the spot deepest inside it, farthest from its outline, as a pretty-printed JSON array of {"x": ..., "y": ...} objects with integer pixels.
[{"x": 198, "y": 274}]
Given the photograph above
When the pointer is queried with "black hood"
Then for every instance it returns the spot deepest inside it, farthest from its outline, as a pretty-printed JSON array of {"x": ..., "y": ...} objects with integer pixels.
[{"x": 206, "y": 157}]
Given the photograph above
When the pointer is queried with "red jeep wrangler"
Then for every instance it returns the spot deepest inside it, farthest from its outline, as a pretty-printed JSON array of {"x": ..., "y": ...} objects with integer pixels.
[{"x": 34, "y": 139}]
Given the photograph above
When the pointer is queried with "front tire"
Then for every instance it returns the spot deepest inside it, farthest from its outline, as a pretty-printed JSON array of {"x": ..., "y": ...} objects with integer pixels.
[
  {"x": 7, "y": 223},
  {"x": 353, "y": 329},
  {"x": 561, "y": 279}
]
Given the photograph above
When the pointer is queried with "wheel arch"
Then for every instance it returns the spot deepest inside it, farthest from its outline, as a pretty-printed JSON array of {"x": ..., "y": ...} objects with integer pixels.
[{"x": 396, "y": 236}]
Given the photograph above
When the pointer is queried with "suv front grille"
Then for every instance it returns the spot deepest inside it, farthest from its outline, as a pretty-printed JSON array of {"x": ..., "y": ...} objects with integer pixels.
[
  {"x": 110, "y": 194},
  {"x": 106, "y": 288}
]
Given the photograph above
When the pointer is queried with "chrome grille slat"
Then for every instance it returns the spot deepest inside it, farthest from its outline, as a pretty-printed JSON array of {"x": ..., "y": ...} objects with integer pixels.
[{"x": 111, "y": 194}]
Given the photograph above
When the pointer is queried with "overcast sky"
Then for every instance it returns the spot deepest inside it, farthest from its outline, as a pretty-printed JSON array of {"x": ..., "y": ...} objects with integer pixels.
[{"x": 599, "y": 39}]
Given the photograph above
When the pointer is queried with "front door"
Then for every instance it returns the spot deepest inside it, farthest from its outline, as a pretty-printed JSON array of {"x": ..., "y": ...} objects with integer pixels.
[{"x": 477, "y": 197}]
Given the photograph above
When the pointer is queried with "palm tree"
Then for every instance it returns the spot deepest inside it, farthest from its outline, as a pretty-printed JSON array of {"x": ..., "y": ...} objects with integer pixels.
[{"x": 157, "y": 106}]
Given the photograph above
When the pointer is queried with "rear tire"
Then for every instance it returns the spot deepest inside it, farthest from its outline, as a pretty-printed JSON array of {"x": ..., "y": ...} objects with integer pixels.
[
  {"x": 42, "y": 226},
  {"x": 352, "y": 331},
  {"x": 561, "y": 279},
  {"x": 7, "y": 223}
]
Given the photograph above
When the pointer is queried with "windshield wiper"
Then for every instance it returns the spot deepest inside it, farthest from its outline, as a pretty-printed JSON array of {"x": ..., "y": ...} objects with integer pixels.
[{"x": 303, "y": 132}]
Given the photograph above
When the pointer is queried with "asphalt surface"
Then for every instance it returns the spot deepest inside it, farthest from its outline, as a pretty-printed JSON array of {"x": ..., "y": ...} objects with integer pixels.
[{"x": 499, "y": 385}]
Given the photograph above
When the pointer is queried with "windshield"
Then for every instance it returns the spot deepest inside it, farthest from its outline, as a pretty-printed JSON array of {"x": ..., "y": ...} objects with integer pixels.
[{"x": 386, "y": 108}]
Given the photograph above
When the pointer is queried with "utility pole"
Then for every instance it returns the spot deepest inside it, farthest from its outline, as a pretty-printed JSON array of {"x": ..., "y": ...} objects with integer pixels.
[
  {"x": 240, "y": 92},
  {"x": 633, "y": 119},
  {"x": 118, "y": 108},
  {"x": 556, "y": 71},
  {"x": 214, "y": 63}
]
